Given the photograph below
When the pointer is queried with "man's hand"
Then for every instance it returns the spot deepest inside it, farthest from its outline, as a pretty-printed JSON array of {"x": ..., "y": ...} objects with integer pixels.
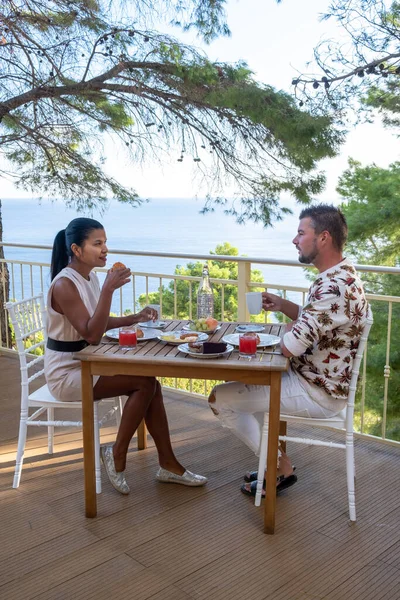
[
  {"x": 275, "y": 303},
  {"x": 271, "y": 302}
]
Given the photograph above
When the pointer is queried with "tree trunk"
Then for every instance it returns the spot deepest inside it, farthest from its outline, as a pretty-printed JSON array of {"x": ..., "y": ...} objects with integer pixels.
[{"x": 5, "y": 331}]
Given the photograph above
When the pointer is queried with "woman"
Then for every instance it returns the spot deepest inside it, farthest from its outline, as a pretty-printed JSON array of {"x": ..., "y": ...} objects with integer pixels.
[{"x": 77, "y": 315}]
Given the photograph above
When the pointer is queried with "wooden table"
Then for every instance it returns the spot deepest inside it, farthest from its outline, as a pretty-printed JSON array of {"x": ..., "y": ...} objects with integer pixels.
[{"x": 154, "y": 358}]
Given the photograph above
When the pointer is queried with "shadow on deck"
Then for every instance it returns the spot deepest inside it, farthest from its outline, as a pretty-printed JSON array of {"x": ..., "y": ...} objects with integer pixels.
[{"x": 168, "y": 542}]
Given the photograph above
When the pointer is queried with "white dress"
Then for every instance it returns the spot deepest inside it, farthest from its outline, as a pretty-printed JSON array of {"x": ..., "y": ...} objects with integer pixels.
[{"x": 63, "y": 373}]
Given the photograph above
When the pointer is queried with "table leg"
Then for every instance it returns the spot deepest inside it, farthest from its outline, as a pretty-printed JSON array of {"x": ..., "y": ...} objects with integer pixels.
[
  {"x": 272, "y": 456},
  {"x": 283, "y": 431},
  {"x": 142, "y": 436},
  {"x": 88, "y": 441}
]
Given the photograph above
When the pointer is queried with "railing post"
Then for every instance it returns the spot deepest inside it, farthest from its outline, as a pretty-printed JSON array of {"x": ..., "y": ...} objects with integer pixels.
[{"x": 244, "y": 274}]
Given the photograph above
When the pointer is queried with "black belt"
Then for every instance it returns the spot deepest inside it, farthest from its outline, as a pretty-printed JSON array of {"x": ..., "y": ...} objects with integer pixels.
[{"x": 66, "y": 346}]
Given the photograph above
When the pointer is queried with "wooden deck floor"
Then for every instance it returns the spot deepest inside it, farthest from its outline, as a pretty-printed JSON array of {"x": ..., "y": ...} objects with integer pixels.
[{"x": 168, "y": 542}]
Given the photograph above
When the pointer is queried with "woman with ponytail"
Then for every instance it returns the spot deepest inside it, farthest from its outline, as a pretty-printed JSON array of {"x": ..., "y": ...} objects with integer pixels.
[{"x": 78, "y": 314}]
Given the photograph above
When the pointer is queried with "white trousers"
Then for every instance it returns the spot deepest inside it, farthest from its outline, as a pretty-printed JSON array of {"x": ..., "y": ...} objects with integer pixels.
[{"x": 241, "y": 406}]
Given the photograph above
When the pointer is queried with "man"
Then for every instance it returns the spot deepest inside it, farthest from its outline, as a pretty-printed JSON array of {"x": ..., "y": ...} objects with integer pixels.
[{"x": 321, "y": 342}]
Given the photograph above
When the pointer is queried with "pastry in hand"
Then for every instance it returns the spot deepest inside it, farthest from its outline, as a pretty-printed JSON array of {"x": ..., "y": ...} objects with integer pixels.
[{"x": 118, "y": 266}]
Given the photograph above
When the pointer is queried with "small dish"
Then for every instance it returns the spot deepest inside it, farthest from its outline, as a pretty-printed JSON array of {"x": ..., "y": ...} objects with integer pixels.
[
  {"x": 186, "y": 350},
  {"x": 256, "y": 327},
  {"x": 173, "y": 337},
  {"x": 153, "y": 324}
]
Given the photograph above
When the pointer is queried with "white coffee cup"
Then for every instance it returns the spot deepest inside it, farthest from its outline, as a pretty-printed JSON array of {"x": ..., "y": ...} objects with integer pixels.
[{"x": 254, "y": 302}]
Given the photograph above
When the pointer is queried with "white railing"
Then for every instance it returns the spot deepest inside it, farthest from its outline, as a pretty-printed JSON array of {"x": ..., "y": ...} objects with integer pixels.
[{"x": 28, "y": 277}]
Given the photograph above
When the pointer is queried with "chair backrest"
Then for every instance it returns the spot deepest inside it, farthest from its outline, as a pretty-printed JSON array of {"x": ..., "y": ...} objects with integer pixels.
[
  {"x": 356, "y": 370},
  {"x": 28, "y": 318}
]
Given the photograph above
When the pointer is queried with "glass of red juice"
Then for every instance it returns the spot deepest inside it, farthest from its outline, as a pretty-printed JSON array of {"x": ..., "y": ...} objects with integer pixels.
[
  {"x": 247, "y": 344},
  {"x": 127, "y": 337}
]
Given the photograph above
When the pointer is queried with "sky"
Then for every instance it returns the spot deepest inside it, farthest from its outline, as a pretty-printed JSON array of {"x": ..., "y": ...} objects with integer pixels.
[{"x": 276, "y": 41}]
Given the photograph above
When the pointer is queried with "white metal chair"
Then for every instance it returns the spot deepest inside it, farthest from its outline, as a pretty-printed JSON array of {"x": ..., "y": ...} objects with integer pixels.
[
  {"x": 343, "y": 422},
  {"x": 28, "y": 318}
]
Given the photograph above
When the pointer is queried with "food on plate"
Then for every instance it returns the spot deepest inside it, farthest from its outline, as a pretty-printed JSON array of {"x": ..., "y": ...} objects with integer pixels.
[
  {"x": 139, "y": 332},
  {"x": 214, "y": 347},
  {"x": 171, "y": 337},
  {"x": 208, "y": 347},
  {"x": 117, "y": 266},
  {"x": 196, "y": 346},
  {"x": 179, "y": 337},
  {"x": 208, "y": 324},
  {"x": 189, "y": 337}
]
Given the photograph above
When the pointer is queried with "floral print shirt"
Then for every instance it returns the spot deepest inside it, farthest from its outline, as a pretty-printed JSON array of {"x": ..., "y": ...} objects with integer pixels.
[{"x": 325, "y": 337}]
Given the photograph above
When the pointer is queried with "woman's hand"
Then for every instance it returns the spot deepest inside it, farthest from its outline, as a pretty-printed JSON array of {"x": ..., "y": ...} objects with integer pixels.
[
  {"x": 271, "y": 302},
  {"x": 116, "y": 279},
  {"x": 147, "y": 314}
]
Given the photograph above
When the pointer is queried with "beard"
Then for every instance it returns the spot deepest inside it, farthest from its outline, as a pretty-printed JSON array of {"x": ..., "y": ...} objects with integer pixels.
[{"x": 308, "y": 259}]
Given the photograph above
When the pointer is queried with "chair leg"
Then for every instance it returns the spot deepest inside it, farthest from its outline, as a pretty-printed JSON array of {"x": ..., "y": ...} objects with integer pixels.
[
  {"x": 50, "y": 431},
  {"x": 23, "y": 427},
  {"x": 350, "y": 473},
  {"x": 97, "y": 448},
  {"x": 118, "y": 412},
  {"x": 262, "y": 460},
  {"x": 142, "y": 436}
]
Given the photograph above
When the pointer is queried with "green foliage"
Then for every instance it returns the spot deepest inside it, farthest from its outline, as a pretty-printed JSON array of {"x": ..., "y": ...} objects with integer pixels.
[
  {"x": 176, "y": 304},
  {"x": 372, "y": 213},
  {"x": 386, "y": 101},
  {"x": 196, "y": 386}
]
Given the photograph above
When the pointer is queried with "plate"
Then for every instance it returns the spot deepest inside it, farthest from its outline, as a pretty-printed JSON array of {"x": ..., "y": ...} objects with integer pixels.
[
  {"x": 265, "y": 339},
  {"x": 185, "y": 348},
  {"x": 250, "y": 327},
  {"x": 149, "y": 334},
  {"x": 153, "y": 324},
  {"x": 187, "y": 328},
  {"x": 175, "y": 337}
]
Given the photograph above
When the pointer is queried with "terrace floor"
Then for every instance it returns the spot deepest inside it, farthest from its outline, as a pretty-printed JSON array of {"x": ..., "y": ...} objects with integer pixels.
[{"x": 169, "y": 542}]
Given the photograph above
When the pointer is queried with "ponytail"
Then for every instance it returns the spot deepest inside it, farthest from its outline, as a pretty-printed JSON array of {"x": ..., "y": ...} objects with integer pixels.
[
  {"x": 59, "y": 256},
  {"x": 76, "y": 232}
]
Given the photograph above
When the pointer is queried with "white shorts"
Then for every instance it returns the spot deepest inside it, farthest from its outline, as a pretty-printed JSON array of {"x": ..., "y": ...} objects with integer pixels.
[{"x": 241, "y": 406}]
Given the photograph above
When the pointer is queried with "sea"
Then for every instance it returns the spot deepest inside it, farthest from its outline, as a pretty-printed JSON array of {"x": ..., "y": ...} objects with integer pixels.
[{"x": 160, "y": 225}]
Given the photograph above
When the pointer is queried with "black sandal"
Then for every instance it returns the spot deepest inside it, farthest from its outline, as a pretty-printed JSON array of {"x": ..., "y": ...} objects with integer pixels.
[
  {"x": 253, "y": 476},
  {"x": 282, "y": 483}
]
